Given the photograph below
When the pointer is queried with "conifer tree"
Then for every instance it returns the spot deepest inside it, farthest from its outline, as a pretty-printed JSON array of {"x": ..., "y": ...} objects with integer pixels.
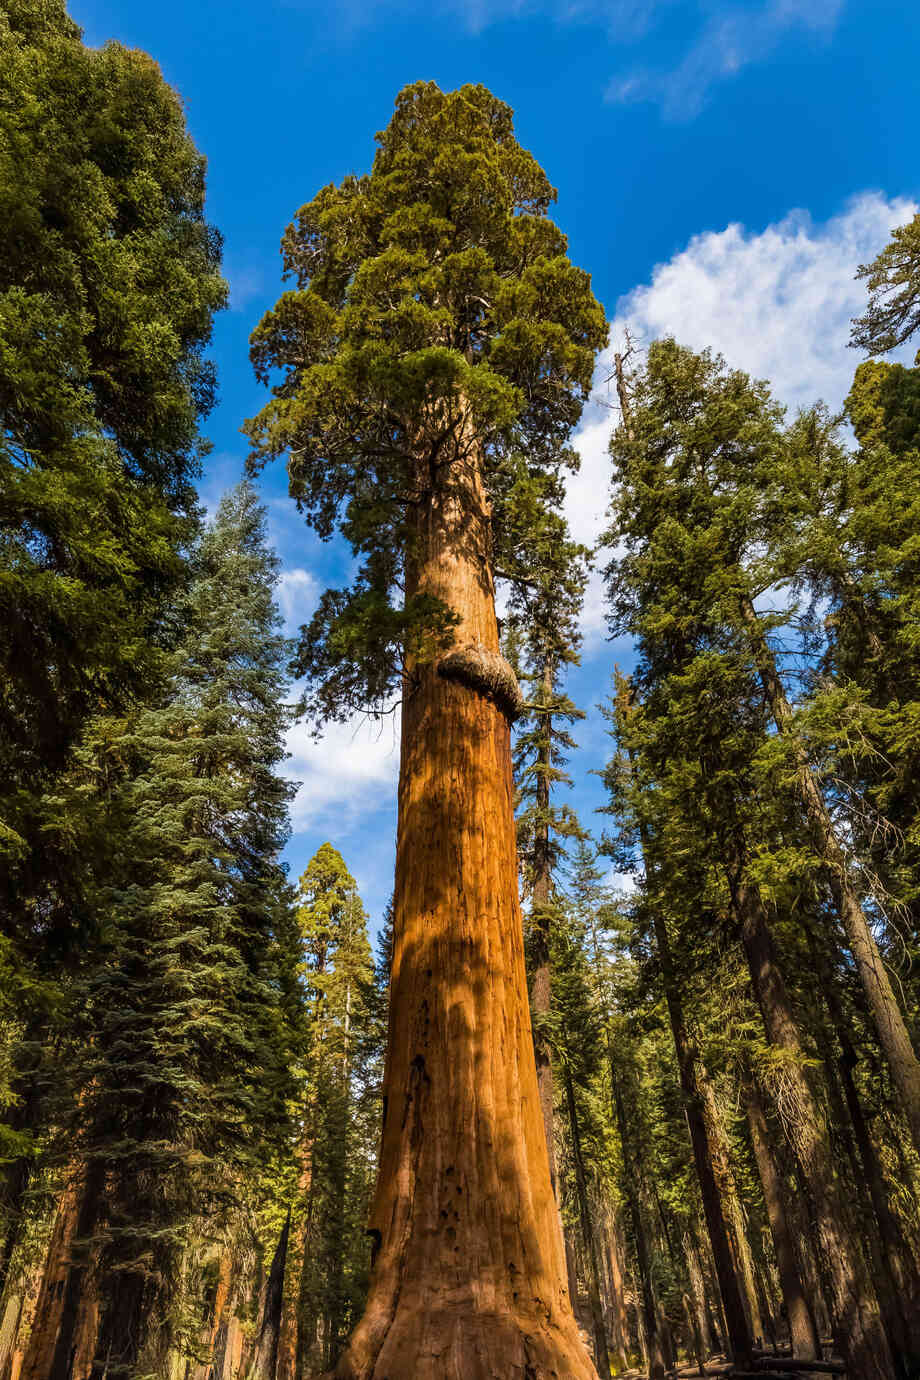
[
  {"x": 694, "y": 468},
  {"x": 543, "y": 639},
  {"x": 109, "y": 276},
  {"x": 182, "y": 1072},
  {"x": 437, "y": 332}
]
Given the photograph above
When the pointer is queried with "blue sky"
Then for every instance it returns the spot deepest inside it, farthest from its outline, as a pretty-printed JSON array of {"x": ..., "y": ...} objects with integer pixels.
[{"x": 722, "y": 166}]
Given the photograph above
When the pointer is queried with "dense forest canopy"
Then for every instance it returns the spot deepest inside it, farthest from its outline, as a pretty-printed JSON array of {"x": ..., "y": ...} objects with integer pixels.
[{"x": 536, "y": 1125}]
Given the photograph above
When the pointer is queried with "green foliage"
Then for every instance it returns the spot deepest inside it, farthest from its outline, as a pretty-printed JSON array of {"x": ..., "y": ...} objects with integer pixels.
[
  {"x": 893, "y": 279},
  {"x": 181, "y": 1076},
  {"x": 109, "y": 276},
  {"x": 434, "y": 280}
]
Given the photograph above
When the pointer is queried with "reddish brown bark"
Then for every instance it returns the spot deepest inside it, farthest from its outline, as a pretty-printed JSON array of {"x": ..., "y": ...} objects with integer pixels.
[
  {"x": 469, "y": 1274},
  {"x": 803, "y": 1330}
]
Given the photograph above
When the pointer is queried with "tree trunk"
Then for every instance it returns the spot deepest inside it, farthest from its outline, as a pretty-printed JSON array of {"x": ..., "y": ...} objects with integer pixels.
[
  {"x": 698, "y": 1291},
  {"x": 803, "y": 1331},
  {"x": 647, "y": 1310},
  {"x": 601, "y": 1356},
  {"x": 39, "y": 1354},
  {"x": 739, "y": 1341},
  {"x": 898, "y": 1263},
  {"x": 265, "y": 1356},
  {"x": 76, "y": 1287},
  {"x": 286, "y": 1365},
  {"x": 857, "y": 1322},
  {"x": 541, "y": 989},
  {"x": 618, "y": 1323},
  {"x": 469, "y": 1272},
  {"x": 694, "y": 1334},
  {"x": 886, "y": 1014}
]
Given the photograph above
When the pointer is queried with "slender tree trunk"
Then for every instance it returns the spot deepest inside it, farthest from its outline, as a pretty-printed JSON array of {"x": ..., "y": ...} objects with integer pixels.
[
  {"x": 883, "y": 1005},
  {"x": 469, "y": 1271},
  {"x": 265, "y": 1356},
  {"x": 616, "y": 1271},
  {"x": 739, "y": 1341},
  {"x": 698, "y": 1291},
  {"x": 897, "y": 1260},
  {"x": 76, "y": 1286},
  {"x": 541, "y": 988},
  {"x": 694, "y": 1334},
  {"x": 601, "y": 1356},
  {"x": 858, "y": 1324},
  {"x": 39, "y": 1354},
  {"x": 286, "y": 1366},
  {"x": 647, "y": 1309},
  {"x": 803, "y": 1330}
]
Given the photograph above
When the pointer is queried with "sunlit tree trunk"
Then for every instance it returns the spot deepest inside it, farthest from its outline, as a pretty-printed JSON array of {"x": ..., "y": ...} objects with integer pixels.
[
  {"x": 803, "y": 1330},
  {"x": 469, "y": 1272}
]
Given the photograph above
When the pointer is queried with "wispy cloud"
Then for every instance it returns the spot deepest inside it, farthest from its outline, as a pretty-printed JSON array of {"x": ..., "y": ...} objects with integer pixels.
[{"x": 732, "y": 36}]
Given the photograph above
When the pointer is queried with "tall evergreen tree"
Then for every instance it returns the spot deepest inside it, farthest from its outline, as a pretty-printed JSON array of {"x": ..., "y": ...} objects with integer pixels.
[
  {"x": 436, "y": 332},
  {"x": 182, "y": 1074},
  {"x": 696, "y": 471}
]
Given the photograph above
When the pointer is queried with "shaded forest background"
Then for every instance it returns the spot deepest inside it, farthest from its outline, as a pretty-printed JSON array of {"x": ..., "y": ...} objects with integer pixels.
[{"x": 192, "y": 1044}]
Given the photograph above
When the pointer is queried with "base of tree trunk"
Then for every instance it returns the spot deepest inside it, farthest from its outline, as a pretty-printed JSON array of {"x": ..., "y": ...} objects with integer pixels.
[{"x": 457, "y": 1344}]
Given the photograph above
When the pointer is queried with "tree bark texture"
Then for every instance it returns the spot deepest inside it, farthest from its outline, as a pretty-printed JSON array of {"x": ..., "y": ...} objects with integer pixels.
[
  {"x": 589, "y": 1241},
  {"x": 886, "y": 1013},
  {"x": 739, "y": 1340},
  {"x": 857, "y": 1321},
  {"x": 541, "y": 989},
  {"x": 469, "y": 1273},
  {"x": 265, "y": 1356},
  {"x": 803, "y": 1330},
  {"x": 647, "y": 1309}
]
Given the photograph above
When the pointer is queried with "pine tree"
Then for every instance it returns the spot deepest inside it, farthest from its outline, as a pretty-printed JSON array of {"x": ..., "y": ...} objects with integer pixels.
[
  {"x": 542, "y": 638},
  {"x": 109, "y": 278},
  {"x": 893, "y": 279},
  {"x": 437, "y": 332},
  {"x": 694, "y": 511},
  {"x": 182, "y": 1073}
]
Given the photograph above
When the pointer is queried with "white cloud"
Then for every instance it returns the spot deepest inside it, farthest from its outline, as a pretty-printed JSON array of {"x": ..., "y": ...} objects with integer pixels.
[
  {"x": 776, "y": 303},
  {"x": 349, "y": 772},
  {"x": 733, "y": 36},
  {"x": 297, "y": 594}
]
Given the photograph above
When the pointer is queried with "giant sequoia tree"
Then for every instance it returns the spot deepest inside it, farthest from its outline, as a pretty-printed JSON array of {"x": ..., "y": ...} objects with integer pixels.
[{"x": 436, "y": 332}]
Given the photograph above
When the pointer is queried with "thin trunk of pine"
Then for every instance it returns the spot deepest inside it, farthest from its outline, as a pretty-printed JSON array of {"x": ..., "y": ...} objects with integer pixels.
[
  {"x": 541, "y": 988},
  {"x": 469, "y": 1270},
  {"x": 739, "y": 1341},
  {"x": 77, "y": 1282},
  {"x": 286, "y": 1366},
  {"x": 589, "y": 1240},
  {"x": 886, "y": 1288},
  {"x": 647, "y": 1307},
  {"x": 618, "y": 1326},
  {"x": 265, "y": 1356},
  {"x": 886, "y": 1014},
  {"x": 899, "y": 1266},
  {"x": 39, "y": 1354},
  {"x": 857, "y": 1321},
  {"x": 694, "y": 1334},
  {"x": 698, "y": 1291},
  {"x": 803, "y": 1330},
  {"x": 720, "y": 1161}
]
